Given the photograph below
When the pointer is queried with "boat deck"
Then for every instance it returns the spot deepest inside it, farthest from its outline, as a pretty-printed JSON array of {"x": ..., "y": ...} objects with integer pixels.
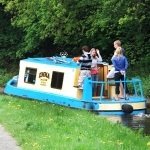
[{"x": 112, "y": 100}]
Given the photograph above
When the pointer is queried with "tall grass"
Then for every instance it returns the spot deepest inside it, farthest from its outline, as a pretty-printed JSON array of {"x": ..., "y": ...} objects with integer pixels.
[{"x": 44, "y": 126}]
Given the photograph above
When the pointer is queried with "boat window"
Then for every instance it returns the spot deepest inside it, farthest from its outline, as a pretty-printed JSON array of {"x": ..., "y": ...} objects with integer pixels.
[
  {"x": 30, "y": 75},
  {"x": 57, "y": 80}
]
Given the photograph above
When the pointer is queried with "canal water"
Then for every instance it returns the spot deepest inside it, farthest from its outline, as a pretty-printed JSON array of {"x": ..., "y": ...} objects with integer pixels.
[{"x": 135, "y": 122}]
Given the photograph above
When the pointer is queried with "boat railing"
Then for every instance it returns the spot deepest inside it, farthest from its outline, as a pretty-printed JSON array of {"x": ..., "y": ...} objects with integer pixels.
[{"x": 87, "y": 92}]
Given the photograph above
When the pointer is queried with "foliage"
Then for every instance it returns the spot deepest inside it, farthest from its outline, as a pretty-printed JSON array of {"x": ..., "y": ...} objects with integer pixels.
[
  {"x": 6, "y": 75},
  {"x": 136, "y": 21},
  {"x": 9, "y": 39},
  {"x": 50, "y": 26},
  {"x": 44, "y": 126},
  {"x": 140, "y": 71}
]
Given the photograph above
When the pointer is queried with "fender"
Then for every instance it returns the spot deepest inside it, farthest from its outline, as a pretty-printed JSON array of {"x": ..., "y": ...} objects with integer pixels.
[{"x": 127, "y": 108}]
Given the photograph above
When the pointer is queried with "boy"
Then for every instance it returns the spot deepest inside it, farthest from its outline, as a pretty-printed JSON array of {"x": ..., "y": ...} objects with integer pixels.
[
  {"x": 86, "y": 61},
  {"x": 117, "y": 44}
]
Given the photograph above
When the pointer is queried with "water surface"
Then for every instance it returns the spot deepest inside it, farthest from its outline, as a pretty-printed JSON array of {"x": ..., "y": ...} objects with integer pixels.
[{"x": 135, "y": 122}]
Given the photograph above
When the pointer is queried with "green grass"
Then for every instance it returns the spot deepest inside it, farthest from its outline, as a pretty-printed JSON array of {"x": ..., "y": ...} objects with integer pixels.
[{"x": 43, "y": 126}]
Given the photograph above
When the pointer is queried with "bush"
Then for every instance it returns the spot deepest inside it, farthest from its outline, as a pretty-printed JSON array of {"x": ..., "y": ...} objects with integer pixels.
[
  {"x": 6, "y": 75},
  {"x": 140, "y": 71}
]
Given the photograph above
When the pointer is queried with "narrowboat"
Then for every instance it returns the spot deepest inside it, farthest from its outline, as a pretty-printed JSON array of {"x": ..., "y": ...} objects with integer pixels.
[{"x": 55, "y": 80}]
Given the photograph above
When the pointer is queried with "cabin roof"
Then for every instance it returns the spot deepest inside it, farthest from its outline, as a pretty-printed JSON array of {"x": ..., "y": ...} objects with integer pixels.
[
  {"x": 68, "y": 62},
  {"x": 56, "y": 61}
]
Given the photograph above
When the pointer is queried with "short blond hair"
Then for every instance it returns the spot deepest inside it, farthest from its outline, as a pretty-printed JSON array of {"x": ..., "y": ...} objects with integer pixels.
[{"x": 118, "y": 42}]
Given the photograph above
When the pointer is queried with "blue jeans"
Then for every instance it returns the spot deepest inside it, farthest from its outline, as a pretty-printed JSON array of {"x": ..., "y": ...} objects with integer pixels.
[{"x": 94, "y": 78}]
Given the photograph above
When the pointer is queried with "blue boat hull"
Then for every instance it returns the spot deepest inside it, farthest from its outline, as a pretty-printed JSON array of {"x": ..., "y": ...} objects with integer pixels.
[{"x": 97, "y": 106}]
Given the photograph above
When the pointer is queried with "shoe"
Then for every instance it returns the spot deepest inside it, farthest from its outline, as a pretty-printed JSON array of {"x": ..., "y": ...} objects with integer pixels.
[
  {"x": 116, "y": 99},
  {"x": 76, "y": 86},
  {"x": 121, "y": 97},
  {"x": 80, "y": 87},
  {"x": 127, "y": 98}
]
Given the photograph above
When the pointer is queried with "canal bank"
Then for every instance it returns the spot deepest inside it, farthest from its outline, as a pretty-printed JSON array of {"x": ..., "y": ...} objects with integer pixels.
[{"x": 135, "y": 122}]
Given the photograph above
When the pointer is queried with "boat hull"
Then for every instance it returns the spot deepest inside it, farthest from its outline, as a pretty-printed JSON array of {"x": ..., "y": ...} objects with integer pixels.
[{"x": 98, "y": 106}]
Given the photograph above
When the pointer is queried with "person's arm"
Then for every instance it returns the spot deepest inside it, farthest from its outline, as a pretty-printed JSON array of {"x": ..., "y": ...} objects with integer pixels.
[
  {"x": 80, "y": 59},
  {"x": 126, "y": 66},
  {"x": 99, "y": 57},
  {"x": 111, "y": 73}
]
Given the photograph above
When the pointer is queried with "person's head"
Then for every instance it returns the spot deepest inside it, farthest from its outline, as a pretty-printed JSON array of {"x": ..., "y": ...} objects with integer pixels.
[
  {"x": 93, "y": 52},
  {"x": 117, "y": 44},
  {"x": 118, "y": 52},
  {"x": 85, "y": 49}
]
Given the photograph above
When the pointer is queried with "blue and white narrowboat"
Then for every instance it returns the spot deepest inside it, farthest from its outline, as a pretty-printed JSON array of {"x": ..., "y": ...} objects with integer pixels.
[{"x": 55, "y": 80}]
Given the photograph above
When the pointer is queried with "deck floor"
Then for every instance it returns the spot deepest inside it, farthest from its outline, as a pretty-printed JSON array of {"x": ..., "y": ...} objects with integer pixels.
[{"x": 107, "y": 99}]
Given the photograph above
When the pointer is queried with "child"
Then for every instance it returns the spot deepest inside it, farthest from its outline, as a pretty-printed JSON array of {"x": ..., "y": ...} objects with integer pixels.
[
  {"x": 94, "y": 70},
  {"x": 86, "y": 61}
]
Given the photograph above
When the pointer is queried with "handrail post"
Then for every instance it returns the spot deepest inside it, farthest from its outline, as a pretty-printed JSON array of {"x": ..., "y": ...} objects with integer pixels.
[
  {"x": 135, "y": 87},
  {"x": 101, "y": 93},
  {"x": 124, "y": 86},
  {"x": 87, "y": 89},
  {"x": 134, "y": 83},
  {"x": 141, "y": 91}
]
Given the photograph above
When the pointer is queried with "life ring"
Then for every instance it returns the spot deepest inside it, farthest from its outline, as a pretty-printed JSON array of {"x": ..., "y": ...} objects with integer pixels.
[
  {"x": 75, "y": 59},
  {"x": 127, "y": 108}
]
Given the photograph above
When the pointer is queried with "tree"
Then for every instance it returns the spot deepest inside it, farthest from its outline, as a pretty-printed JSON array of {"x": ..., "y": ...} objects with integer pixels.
[
  {"x": 9, "y": 36},
  {"x": 66, "y": 25}
]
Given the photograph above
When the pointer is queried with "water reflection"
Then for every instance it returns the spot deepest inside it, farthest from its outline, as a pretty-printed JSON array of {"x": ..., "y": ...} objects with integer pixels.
[{"x": 135, "y": 122}]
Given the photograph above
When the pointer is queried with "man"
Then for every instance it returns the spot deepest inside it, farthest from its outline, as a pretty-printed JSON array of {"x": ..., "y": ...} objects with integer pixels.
[{"x": 117, "y": 44}]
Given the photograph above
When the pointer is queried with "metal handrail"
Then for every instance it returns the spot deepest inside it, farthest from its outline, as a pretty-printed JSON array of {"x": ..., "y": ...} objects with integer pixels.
[{"x": 133, "y": 80}]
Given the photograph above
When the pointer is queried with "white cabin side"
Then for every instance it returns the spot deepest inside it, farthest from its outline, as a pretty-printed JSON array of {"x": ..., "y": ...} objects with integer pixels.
[{"x": 49, "y": 78}]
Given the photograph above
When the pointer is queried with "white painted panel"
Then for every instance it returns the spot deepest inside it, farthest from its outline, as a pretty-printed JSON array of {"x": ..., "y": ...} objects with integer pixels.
[
  {"x": 43, "y": 83},
  {"x": 117, "y": 106}
]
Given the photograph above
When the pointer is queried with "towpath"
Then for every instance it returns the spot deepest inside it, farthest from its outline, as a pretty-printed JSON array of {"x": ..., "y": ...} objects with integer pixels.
[{"x": 6, "y": 141}]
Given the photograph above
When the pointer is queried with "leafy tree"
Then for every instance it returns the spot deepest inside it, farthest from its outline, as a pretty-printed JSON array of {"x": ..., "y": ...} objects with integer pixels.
[
  {"x": 137, "y": 24},
  {"x": 51, "y": 26},
  {"x": 9, "y": 37}
]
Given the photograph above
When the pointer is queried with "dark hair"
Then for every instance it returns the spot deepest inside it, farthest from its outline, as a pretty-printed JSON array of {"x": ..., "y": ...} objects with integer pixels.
[{"x": 85, "y": 48}]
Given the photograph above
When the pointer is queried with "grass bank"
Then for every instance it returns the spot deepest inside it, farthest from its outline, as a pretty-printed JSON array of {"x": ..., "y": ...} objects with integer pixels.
[{"x": 43, "y": 126}]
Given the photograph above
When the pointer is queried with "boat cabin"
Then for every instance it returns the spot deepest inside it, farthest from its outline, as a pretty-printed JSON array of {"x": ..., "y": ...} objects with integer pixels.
[{"x": 58, "y": 76}]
